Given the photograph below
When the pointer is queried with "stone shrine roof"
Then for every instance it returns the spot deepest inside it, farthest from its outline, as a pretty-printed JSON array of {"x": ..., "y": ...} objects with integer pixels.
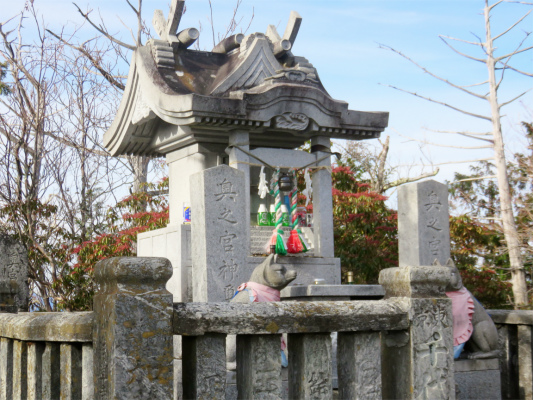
[{"x": 175, "y": 96}]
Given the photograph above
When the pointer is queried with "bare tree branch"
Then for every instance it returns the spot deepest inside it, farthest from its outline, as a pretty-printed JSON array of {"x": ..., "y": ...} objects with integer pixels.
[
  {"x": 461, "y": 53},
  {"x": 403, "y": 181},
  {"x": 102, "y": 31},
  {"x": 513, "y": 99},
  {"x": 447, "y": 145},
  {"x": 106, "y": 74},
  {"x": 479, "y": 178},
  {"x": 441, "y": 103},
  {"x": 432, "y": 74},
  {"x": 511, "y": 27},
  {"x": 462, "y": 40}
]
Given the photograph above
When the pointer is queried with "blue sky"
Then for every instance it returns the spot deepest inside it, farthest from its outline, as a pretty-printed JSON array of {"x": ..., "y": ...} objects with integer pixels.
[{"x": 341, "y": 38}]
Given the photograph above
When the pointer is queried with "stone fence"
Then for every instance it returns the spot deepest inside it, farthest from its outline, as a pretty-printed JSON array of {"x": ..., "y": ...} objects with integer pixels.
[
  {"x": 516, "y": 362},
  {"x": 46, "y": 356},
  {"x": 399, "y": 347}
]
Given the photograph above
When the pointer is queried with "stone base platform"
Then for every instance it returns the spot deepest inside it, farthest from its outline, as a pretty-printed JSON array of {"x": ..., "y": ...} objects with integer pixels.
[
  {"x": 332, "y": 292},
  {"x": 477, "y": 379}
]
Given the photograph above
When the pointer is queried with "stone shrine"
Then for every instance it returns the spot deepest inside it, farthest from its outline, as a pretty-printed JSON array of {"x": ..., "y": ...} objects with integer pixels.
[{"x": 249, "y": 102}]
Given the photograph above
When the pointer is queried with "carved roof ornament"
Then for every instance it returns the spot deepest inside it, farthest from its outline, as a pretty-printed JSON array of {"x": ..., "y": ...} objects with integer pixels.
[{"x": 176, "y": 96}]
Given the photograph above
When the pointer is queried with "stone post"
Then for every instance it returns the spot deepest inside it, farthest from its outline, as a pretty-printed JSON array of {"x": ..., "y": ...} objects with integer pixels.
[
  {"x": 240, "y": 160},
  {"x": 218, "y": 233},
  {"x": 322, "y": 201},
  {"x": 418, "y": 363},
  {"x": 310, "y": 374},
  {"x": 14, "y": 289},
  {"x": 423, "y": 223},
  {"x": 204, "y": 366},
  {"x": 181, "y": 165},
  {"x": 132, "y": 338}
]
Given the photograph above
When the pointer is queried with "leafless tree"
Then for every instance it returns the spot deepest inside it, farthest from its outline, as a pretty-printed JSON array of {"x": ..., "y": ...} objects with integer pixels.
[
  {"x": 498, "y": 66},
  {"x": 54, "y": 175},
  {"x": 374, "y": 162}
]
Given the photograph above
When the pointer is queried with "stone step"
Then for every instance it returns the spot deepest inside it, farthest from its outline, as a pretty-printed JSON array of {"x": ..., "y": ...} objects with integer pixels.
[{"x": 260, "y": 235}]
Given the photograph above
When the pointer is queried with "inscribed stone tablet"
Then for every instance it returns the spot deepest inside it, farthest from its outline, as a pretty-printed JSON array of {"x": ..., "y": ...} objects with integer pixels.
[
  {"x": 423, "y": 223},
  {"x": 218, "y": 230},
  {"x": 14, "y": 266}
]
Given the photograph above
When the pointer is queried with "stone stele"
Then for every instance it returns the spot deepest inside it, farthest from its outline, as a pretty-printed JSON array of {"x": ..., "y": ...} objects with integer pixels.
[
  {"x": 423, "y": 223},
  {"x": 218, "y": 233},
  {"x": 14, "y": 273}
]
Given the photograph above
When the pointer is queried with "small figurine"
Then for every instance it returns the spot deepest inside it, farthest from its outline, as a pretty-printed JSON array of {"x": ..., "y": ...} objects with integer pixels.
[
  {"x": 472, "y": 325},
  {"x": 264, "y": 285}
]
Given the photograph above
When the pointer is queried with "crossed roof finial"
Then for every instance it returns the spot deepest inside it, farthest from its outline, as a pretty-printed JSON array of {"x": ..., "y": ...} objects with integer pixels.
[{"x": 166, "y": 29}]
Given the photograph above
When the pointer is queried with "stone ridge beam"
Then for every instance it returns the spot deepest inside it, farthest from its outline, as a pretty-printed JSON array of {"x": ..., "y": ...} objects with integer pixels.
[{"x": 289, "y": 317}]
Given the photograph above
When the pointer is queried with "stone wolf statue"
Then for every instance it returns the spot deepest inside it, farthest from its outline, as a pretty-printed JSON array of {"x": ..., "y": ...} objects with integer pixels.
[
  {"x": 264, "y": 285},
  {"x": 473, "y": 328}
]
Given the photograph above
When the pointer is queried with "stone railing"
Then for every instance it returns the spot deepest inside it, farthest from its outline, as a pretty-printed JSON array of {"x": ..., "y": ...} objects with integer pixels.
[
  {"x": 410, "y": 331},
  {"x": 399, "y": 347},
  {"x": 259, "y": 327},
  {"x": 516, "y": 360},
  {"x": 46, "y": 356}
]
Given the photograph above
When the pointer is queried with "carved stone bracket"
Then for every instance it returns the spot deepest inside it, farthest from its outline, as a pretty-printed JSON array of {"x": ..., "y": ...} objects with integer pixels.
[{"x": 292, "y": 121}]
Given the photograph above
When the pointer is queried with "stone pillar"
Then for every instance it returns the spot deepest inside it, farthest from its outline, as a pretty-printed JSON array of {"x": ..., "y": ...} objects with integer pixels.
[
  {"x": 204, "y": 366},
  {"x": 20, "y": 370},
  {"x": 35, "y": 367},
  {"x": 218, "y": 233},
  {"x": 51, "y": 371},
  {"x": 359, "y": 365},
  {"x": 525, "y": 362},
  {"x": 259, "y": 366},
  {"x": 6, "y": 368},
  {"x": 310, "y": 366},
  {"x": 132, "y": 339},
  {"x": 181, "y": 165},
  {"x": 71, "y": 374},
  {"x": 240, "y": 160},
  {"x": 423, "y": 223},
  {"x": 322, "y": 200},
  {"x": 418, "y": 363}
]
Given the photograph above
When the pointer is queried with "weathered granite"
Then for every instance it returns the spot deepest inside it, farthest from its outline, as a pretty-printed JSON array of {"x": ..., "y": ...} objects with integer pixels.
[
  {"x": 87, "y": 372},
  {"x": 508, "y": 339},
  {"x": 310, "y": 374},
  {"x": 351, "y": 292},
  {"x": 71, "y": 375},
  {"x": 259, "y": 367},
  {"x": 218, "y": 233},
  {"x": 512, "y": 317},
  {"x": 259, "y": 86},
  {"x": 291, "y": 317},
  {"x": 359, "y": 365},
  {"x": 6, "y": 368},
  {"x": 20, "y": 370},
  {"x": 423, "y": 223},
  {"x": 49, "y": 327},
  {"x": 204, "y": 367},
  {"x": 477, "y": 379},
  {"x": 415, "y": 282},
  {"x": 322, "y": 200},
  {"x": 35, "y": 365},
  {"x": 525, "y": 362},
  {"x": 133, "y": 352},
  {"x": 51, "y": 371},
  {"x": 13, "y": 273},
  {"x": 418, "y": 362},
  {"x": 240, "y": 161}
]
